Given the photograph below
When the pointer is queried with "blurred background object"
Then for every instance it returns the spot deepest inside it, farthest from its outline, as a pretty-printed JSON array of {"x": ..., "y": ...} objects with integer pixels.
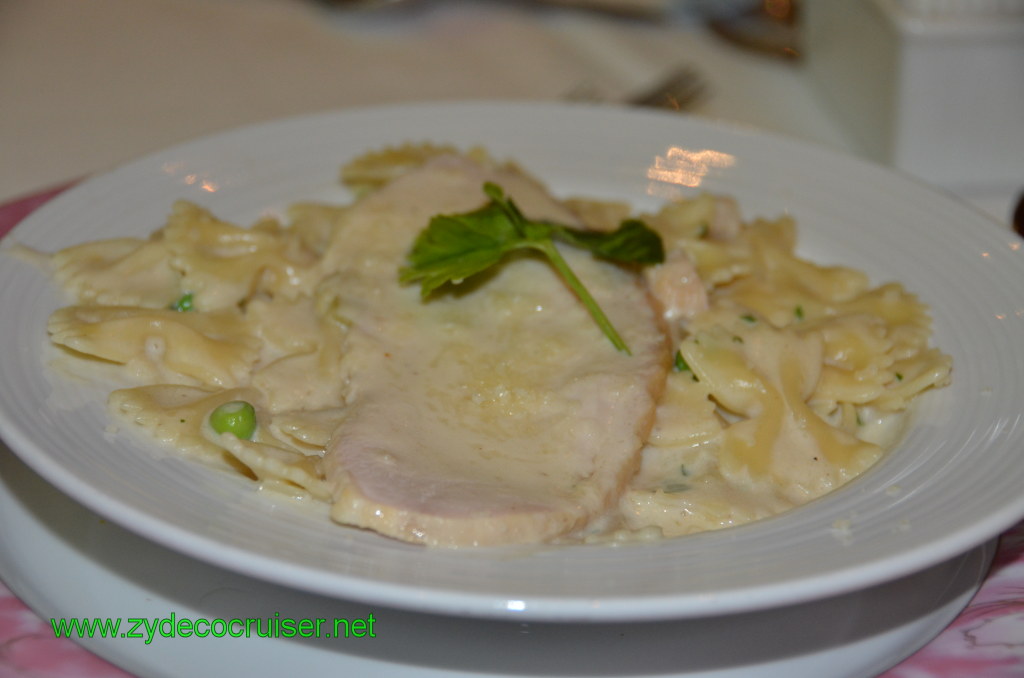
[
  {"x": 633, "y": 8},
  {"x": 768, "y": 26},
  {"x": 1018, "y": 216},
  {"x": 931, "y": 87}
]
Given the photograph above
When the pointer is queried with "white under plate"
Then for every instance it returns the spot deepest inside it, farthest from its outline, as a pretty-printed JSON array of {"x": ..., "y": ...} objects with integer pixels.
[
  {"x": 952, "y": 484},
  {"x": 66, "y": 561}
]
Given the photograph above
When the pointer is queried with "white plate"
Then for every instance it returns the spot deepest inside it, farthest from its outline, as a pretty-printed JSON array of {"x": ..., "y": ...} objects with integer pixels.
[
  {"x": 952, "y": 484},
  {"x": 118, "y": 575}
]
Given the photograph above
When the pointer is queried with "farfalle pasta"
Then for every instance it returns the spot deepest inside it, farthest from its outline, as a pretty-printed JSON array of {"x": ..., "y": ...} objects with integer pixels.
[
  {"x": 783, "y": 379},
  {"x": 808, "y": 370}
]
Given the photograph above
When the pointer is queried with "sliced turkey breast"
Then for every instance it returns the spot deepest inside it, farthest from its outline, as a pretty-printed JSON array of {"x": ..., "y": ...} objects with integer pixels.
[{"x": 495, "y": 412}]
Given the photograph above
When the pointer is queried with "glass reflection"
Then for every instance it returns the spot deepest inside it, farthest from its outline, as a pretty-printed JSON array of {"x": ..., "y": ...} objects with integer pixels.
[{"x": 685, "y": 167}]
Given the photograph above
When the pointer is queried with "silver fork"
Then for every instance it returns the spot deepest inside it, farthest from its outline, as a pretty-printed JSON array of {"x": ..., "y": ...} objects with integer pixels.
[{"x": 680, "y": 89}]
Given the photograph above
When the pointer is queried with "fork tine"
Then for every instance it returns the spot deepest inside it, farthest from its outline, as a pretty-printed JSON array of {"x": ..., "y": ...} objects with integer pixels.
[{"x": 678, "y": 90}]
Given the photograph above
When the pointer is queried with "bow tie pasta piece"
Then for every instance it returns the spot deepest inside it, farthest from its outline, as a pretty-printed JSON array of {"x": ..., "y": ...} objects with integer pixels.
[
  {"x": 784, "y": 289},
  {"x": 287, "y": 327},
  {"x": 286, "y": 380},
  {"x": 314, "y": 224},
  {"x": 695, "y": 503},
  {"x": 306, "y": 431},
  {"x": 768, "y": 378},
  {"x": 279, "y": 470},
  {"x": 297, "y": 343},
  {"x": 677, "y": 490},
  {"x": 731, "y": 250},
  {"x": 908, "y": 319},
  {"x": 376, "y": 169},
  {"x": 877, "y": 350},
  {"x": 857, "y": 362},
  {"x": 177, "y": 416},
  {"x": 204, "y": 349},
  {"x": 118, "y": 272},
  {"x": 223, "y": 264},
  {"x": 686, "y": 415},
  {"x": 929, "y": 368}
]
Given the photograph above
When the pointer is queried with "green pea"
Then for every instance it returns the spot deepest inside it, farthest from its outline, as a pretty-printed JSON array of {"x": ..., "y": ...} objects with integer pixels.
[
  {"x": 184, "y": 303},
  {"x": 237, "y": 417}
]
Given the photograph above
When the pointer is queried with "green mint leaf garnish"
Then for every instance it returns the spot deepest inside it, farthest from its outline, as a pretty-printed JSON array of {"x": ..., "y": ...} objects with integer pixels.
[
  {"x": 455, "y": 247},
  {"x": 632, "y": 243}
]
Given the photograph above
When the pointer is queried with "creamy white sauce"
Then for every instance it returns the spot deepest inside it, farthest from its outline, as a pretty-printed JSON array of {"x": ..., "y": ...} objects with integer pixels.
[{"x": 499, "y": 414}]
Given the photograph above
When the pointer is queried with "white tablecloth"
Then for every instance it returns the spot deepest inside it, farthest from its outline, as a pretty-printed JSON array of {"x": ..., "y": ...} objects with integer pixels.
[{"x": 88, "y": 85}]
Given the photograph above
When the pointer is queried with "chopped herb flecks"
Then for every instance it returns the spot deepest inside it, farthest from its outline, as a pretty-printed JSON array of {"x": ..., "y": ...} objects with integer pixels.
[
  {"x": 679, "y": 364},
  {"x": 184, "y": 303}
]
